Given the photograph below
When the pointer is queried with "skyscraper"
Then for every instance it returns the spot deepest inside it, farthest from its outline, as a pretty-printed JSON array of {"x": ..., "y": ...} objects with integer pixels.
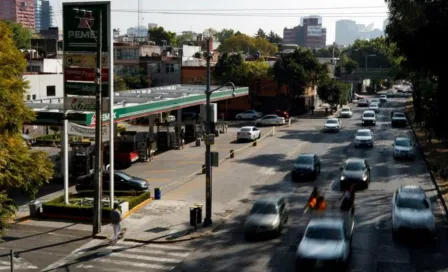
[
  {"x": 43, "y": 15},
  {"x": 346, "y": 32},
  {"x": 18, "y": 11}
]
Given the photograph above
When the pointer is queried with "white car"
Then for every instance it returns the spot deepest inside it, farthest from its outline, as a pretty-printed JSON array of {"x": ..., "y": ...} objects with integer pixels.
[
  {"x": 248, "y": 133},
  {"x": 368, "y": 117},
  {"x": 364, "y": 137},
  {"x": 375, "y": 100},
  {"x": 332, "y": 124},
  {"x": 249, "y": 114},
  {"x": 374, "y": 107},
  {"x": 346, "y": 112},
  {"x": 411, "y": 210},
  {"x": 270, "y": 119},
  {"x": 383, "y": 98},
  {"x": 403, "y": 148}
]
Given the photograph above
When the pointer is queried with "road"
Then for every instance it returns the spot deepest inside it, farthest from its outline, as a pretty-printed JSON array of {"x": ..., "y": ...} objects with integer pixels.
[{"x": 266, "y": 171}]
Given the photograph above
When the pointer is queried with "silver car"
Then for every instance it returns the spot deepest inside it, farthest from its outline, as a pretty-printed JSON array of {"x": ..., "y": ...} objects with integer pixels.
[
  {"x": 332, "y": 125},
  {"x": 412, "y": 211},
  {"x": 268, "y": 215},
  {"x": 403, "y": 148},
  {"x": 364, "y": 137}
]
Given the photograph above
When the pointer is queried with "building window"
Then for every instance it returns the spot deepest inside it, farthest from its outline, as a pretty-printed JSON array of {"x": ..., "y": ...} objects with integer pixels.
[
  {"x": 51, "y": 90},
  {"x": 35, "y": 69},
  {"x": 34, "y": 97},
  {"x": 172, "y": 68},
  {"x": 154, "y": 68},
  {"x": 127, "y": 54},
  {"x": 28, "y": 97}
]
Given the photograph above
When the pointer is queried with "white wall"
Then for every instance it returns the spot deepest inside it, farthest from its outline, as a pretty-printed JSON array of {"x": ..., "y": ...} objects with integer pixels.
[
  {"x": 52, "y": 66},
  {"x": 38, "y": 85},
  {"x": 190, "y": 50}
]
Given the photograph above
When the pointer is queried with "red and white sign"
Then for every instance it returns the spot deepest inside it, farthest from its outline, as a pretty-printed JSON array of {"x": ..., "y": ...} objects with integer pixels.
[{"x": 85, "y": 74}]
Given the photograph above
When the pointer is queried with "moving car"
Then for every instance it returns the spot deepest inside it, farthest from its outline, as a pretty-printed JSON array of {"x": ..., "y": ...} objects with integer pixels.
[
  {"x": 346, "y": 113},
  {"x": 270, "y": 119},
  {"x": 398, "y": 119},
  {"x": 375, "y": 100},
  {"x": 327, "y": 243},
  {"x": 248, "y": 134},
  {"x": 412, "y": 212},
  {"x": 403, "y": 148},
  {"x": 368, "y": 117},
  {"x": 364, "y": 137},
  {"x": 268, "y": 215},
  {"x": 122, "y": 182},
  {"x": 249, "y": 114},
  {"x": 355, "y": 171},
  {"x": 306, "y": 166},
  {"x": 374, "y": 107},
  {"x": 332, "y": 125},
  {"x": 383, "y": 98},
  {"x": 363, "y": 102}
]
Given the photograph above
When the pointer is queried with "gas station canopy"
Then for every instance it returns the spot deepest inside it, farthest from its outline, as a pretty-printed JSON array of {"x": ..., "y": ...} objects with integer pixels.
[{"x": 133, "y": 103}]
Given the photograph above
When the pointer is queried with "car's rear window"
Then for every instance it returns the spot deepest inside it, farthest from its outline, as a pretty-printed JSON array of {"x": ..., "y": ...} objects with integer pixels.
[
  {"x": 345, "y": 110},
  {"x": 332, "y": 121},
  {"x": 354, "y": 166},
  {"x": 305, "y": 160},
  {"x": 401, "y": 115},
  {"x": 246, "y": 129},
  {"x": 363, "y": 133},
  {"x": 263, "y": 208},
  {"x": 369, "y": 115},
  {"x": 412, "y": 203},
  {"x": 403, "y": 142},
  {"x": 324, "y": 233}
]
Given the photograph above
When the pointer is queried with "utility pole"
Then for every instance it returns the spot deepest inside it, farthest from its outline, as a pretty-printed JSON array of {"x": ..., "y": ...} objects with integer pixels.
[{"x": 97, "y": 205}]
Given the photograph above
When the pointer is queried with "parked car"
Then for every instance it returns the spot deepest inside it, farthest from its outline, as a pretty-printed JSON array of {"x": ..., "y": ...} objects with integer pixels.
[
  {"x": 364, "y": 137},
  {"x": 346, "y": 113},
  {"x": 122, "y": 182},
  {"x": 306, "y": 166},
  {"x": 249, "y": 114},
  {"x": 281, "y": 113},
  {"x": 398, "y": 119},
  {"x": 270, "y": 119},
  {"x": 368, "y": 117},
  {"x": 355, "y": 172},
  {"x": 268, "y": 215},
  {"x": 248, "y": 133},
  {"x": 403, "y": 148},
  {"x": 332, "y": 125}
]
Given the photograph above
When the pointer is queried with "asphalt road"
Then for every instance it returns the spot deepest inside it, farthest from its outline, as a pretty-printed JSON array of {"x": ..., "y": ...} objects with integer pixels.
[{"x": 373, "y": 247}]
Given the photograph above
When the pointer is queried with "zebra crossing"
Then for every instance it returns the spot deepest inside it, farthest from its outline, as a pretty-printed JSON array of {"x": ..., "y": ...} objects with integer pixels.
[{"x": 123, "y": 256}]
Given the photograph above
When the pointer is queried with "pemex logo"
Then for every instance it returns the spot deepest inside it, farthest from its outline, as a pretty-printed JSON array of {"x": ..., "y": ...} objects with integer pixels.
[{"x": 86, "y": 20}]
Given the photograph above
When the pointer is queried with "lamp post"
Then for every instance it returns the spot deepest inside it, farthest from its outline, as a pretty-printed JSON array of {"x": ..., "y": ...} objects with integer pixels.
[{"x": 208, "y": 157}]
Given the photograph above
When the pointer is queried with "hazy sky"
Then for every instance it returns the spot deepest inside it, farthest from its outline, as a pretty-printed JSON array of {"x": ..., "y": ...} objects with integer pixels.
[{"x": 361, "y": 11}]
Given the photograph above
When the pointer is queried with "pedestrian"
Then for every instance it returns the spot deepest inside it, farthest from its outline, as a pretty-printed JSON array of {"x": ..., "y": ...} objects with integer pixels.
[
  {"x": 182, "y": 137},
  {"x": 115, "y": 218},
  {"x": 312, "y": 109}
]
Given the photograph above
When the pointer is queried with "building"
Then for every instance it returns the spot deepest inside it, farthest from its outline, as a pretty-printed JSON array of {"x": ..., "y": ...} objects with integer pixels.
[
  {"x": 346, "y": 32},
  {"x": 42, "y": 86},
  {"x": 162, "y": 70},
  {"x": 43, "y": 15},
  {"x": 127, "y": 57},
  {"x": 46, "y": 66},
  {"x": 139, "y": 31},
  {"x": 18, "y": 11},
  {"x": 50, "y": 33},
  {"x": 309, "y": 33}
]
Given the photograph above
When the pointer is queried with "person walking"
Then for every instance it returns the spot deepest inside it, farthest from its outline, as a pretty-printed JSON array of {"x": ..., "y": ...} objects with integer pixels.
[
  {"x": 115, "y": 218},
  {"x": 182, "y": 138}
]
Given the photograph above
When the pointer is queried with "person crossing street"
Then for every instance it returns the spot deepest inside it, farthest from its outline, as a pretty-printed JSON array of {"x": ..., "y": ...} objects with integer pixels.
[{"x": 115, "y": 218}]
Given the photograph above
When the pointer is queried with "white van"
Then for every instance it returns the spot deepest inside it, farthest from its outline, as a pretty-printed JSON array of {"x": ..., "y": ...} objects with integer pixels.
[{"x": 369, "y": 117}]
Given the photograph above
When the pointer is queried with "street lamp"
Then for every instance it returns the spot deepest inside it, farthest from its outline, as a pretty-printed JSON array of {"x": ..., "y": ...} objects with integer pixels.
[
  {"x": 208, "y": 157},
  {"x": 367, "y": 56}
]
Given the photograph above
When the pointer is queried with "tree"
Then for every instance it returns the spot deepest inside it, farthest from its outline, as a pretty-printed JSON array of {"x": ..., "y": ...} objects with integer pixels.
[
  {"x": 244, "y": 43},
  {"x": 261, "y": 34},
  {"x": 159, "y": 34},
  {"x": 274, "y": 38},
  {"x": 224, "y": 34},
  {"x": 19, "y": 166},
  {"x": 185, "y": 37},
  {"x": 119, "y": 84},
  {"x": 350, "y": 66},
  {"x": 227, "y": 68},
  {"x": 21, "y": 35},
  {"x": 330, "y": 92}
]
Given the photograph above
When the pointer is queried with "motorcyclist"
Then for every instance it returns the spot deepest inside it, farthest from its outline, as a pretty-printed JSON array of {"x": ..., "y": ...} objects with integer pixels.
[
  {"x": 348, "y": 200},
  {"x": 312, "y": 200},
  {"x": 321, "y": 204}
]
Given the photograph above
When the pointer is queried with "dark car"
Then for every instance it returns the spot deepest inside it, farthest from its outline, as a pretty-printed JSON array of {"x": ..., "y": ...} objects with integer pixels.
[
  {"x": 357, "y": 172},
  {"x": 398, "y": 119},
  {"x": 306, "y": 166},
  {"x": 363, "y": 102},
  {"x": 122, "y": 182},
  {"x": 281, "y": 113}
]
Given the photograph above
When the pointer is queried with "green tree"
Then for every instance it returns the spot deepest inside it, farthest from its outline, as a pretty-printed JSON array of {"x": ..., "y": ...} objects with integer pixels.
[
  {"x": 274, "y": 37},
  {"x": 261, "y": 34},
  {"x": 185, "y": 37},
  {"x": 224, "y": 34},
  {"x": 159, "y": 34},
  {"x": 136, "y": 82},
  {"x": 244, "y": 43},
  {"x": 119, "y": 84},
  {"x": 330, "y": 92},
  {"x": 20, "y": 34},
  {"x": 227, "y": 68},
  {"x": 350, "y": 66},
  {"x": 19, "y": 166}
]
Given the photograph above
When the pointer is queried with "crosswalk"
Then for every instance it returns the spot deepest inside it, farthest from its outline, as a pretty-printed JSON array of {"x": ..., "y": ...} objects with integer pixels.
[{"x": 123, "y": 256}]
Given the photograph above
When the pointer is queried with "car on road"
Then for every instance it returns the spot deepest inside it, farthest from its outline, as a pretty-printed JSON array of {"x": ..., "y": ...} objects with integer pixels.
[
  {"x": 368, "y": 118},
  {"x": 363, "y": 102},
  {"x": 403, "y": 148},
  {"x": 374, "y": 107},
  {"x": 270, "y": 119},
  {"x": 383, "y": 98},
  {"x": 326, "y": 243},
  {"x": 398, "y": 119},
  {"x": 364, "y": 137},
  {"x": 355, "y": 172},
  {"x": 375, "y": 100},
  {"x": 122, "y": 182},
  {"x": 412, "y": 212},
  {"x": 249, "y": 114},
  {"x": 390, "y": 94},
  {"x": 332, "y": 125},
  {"x": 306, "y": 166},
  {"x": 345, "y": 113},
  {"x": 267, "y": 216},
  {"x": 248, "y": 133}
]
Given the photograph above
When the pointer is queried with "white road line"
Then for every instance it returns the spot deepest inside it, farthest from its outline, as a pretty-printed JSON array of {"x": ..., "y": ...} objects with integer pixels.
[
  {"x": 144, "y": 258},
  {"x": 134, "y": 264},
  {"x": 162, "y": 246},
  {"x": 149, "y": 251},
  {"x": 94, "y": 268}
]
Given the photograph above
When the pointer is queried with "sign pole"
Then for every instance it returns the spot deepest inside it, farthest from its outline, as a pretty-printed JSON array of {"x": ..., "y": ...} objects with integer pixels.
[
  {"x": 97, "y": 207},
  {"x": 111, "y": 121},
  {"x": 65, "y": 154}
]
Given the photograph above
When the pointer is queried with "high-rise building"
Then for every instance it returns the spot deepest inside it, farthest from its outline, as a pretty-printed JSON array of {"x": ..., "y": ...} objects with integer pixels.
[
  {"x": 18, "y": 11},
  {"x": 346, "y": 32},
  {"x": 309, "y": 33},
  {"x": 43, "y": 15}
]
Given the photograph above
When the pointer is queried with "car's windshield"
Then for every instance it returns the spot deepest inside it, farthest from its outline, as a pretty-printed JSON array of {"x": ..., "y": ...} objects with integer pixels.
[
  {"x": 398, "y": 115},
  {"x": 332, "y": 121},
  {"x": 263, "y": 208},
  {"x": 412, "y": 203},
  {"x": 373, "y": 105},
  {"x": 354, "y": 166},
  {"x": 369, "y": 115},
  {"x": 324, "y": 233},
  {"x": 246, "y": 129},
  {"x": 123, "y": 176},
  {"x": 374, "y": 100},
  {"x": 403, "y": 142},
  {"x": 305, "y": 160},
  {"x": 363, "y": 133},
  {"x": 345, "y": 110}
]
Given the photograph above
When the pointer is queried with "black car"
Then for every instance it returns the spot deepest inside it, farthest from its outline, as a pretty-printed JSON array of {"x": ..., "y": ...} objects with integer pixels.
[
  {"x": 306, "y": 166},
  {"x": 363, "y": 102},
  {"x": 357, "y": 172},
  {"x": 122, "y": 182}
]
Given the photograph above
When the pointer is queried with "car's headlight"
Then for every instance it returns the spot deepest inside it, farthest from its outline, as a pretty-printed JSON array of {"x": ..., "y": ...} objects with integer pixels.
[
  {"x": 364, "y": 177},
  {"x": 276, "y": 221},
  {"x": 342, "y": 177}
]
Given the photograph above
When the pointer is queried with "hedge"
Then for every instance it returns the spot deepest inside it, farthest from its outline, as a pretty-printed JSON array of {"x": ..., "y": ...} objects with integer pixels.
[{"x": 58, "y": 207}]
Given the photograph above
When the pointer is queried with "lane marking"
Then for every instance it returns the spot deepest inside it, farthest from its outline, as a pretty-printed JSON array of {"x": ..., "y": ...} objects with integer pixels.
[
  {"x": 162, "y": 246},
  {"x": 93, "y": 268},
  {"x": 128, "y": 263},
  {"x": 145, "y": 258},
  {"x": 148, "y": 251}
]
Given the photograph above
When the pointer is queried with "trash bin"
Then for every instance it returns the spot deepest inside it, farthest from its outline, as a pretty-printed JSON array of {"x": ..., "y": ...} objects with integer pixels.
[
  {"x": 193, "y": 215},
  {"x": 35, "y": 207},
  {"x": 199, "y": 213},
  {"x": 157, "y": 193}
]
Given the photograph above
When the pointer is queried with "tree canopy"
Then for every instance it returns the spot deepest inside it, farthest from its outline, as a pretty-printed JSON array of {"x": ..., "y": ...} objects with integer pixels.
[
  {"x": 20, "y": 35},
  {"x": 224, "y": 34},
  {"x": 333, "y": 92},
  {"x": 159, "y": 34},
  {"x": 244, "y": 43},
  {"x": 19, "y": 166}
]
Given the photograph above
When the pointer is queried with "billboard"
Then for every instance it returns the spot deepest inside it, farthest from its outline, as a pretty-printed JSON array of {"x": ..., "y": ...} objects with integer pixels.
[{"x": 314, "y": 31}]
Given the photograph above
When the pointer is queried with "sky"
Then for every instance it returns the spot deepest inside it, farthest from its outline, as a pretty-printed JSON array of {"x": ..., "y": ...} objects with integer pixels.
[{"x": 261, "y": 14}]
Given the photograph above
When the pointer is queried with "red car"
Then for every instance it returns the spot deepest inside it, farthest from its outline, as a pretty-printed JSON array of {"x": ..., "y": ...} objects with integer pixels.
[{"x": 281, "y": 113}]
